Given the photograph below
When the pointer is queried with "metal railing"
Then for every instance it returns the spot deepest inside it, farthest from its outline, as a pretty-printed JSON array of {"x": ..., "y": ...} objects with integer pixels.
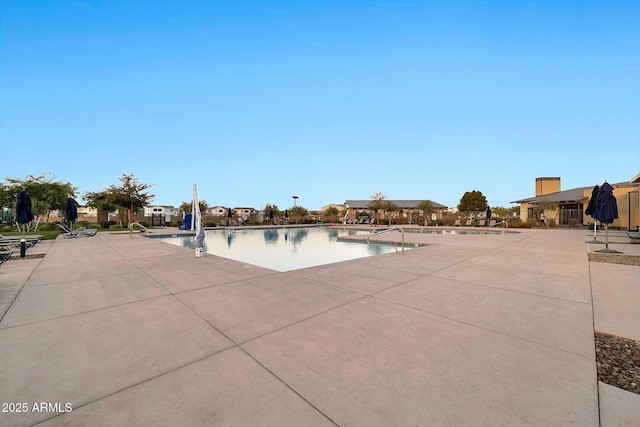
[
  {"x": 501, "y": 222},
  {"x": 386, "y": 231},
  {"x": 146, "y": 230}
]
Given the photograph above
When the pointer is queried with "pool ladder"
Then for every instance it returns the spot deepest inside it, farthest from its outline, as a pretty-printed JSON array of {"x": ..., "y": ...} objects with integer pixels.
[
  {"x": 502, "y": 222},
  {"x": 146, "y": 230},
  {"x": 386, "y": 231}
]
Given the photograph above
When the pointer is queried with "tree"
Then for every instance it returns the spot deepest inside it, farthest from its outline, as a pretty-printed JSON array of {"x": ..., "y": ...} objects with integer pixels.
[
  {"x": 375, "y": 204},
  {"x": 298, "y": 211},
  {"x": 188, "y": 206},
  {"x": 101, "y": 201},
  {"x": 502, "y": 212},
  {"x": 391, "y": 207},
  {"x": 271, "y": 211},
  {"x": 129, "y": 195},
  {"x": 333, "y": 212},
  {"x": 45, "y": 192},
  {"x": 472, "y": 201},
  {"x": 546, "y": 207},
  {"x": 427, "y": 209}
]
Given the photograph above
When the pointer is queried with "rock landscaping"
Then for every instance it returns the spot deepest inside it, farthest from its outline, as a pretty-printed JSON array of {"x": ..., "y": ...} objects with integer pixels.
[{"x": 618, "y": 361}]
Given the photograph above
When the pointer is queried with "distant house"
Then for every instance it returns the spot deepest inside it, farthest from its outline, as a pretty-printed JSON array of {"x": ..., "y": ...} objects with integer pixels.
[
  {"x": 333, "y": 205},
  {"x": 217, "y": 211},
  {"x": 407, "y": 209},
  {"x": 244, "y": 213},
  {"x": 572, "y": 203},
  {"x": 160, "y": 213},
  {"x": 161, "y": 210}
]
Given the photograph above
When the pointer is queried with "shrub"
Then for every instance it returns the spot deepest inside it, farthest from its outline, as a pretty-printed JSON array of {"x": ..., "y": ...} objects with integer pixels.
[
  {"x": 574, "y": 222},
  {"x": 47, "y": 226}
]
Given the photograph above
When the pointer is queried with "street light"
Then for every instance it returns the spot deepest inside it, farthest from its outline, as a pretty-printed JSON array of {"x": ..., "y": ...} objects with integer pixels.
[{"x": 294, "y": 200}]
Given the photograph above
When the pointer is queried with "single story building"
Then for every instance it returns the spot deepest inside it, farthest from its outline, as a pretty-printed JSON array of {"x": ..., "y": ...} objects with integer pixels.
[
  {"x": 407, "y": 209},
  {"x": 572, "y": 203}
]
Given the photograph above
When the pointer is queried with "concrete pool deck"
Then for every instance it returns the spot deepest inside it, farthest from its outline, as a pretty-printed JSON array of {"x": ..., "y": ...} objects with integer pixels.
[{"x": 471, "y": 330}]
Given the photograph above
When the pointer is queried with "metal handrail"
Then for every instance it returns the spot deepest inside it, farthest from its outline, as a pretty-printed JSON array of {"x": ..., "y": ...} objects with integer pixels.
[
  {"x": 386, "y": 231},
  {"x": 146, "y": 230},
  {"x": 501, "y": 222}
]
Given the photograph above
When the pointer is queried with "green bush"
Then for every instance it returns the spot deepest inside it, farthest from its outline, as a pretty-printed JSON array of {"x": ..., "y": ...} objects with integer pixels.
[
  {"x": 517, "y": 223},
  {"x": 47, "y": 226}
]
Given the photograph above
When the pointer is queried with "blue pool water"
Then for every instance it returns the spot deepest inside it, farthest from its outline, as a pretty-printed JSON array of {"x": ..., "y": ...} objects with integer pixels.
[{"x": 283, "y": 249}]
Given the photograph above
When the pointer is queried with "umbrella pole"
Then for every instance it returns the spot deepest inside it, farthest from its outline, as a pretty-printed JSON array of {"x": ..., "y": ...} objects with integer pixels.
[
  {"x": 595, "y": 226},
  {"x": 606, "y": 248},
  {"x": 23, "y": 242}
]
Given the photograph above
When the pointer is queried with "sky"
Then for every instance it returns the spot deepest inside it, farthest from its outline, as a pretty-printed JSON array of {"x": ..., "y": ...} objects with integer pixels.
[{"x": 258, "y": 101}]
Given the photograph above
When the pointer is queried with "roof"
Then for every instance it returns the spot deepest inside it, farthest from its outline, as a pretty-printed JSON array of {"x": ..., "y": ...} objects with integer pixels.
[
  {"x": 573, "y": 195},
  {"x": 161, "y": 206},
  {"x": 403, "y": 204}
]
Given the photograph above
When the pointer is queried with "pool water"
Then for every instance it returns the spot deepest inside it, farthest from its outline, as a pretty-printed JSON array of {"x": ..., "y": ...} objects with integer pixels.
[{"x": 284, "y": 249}]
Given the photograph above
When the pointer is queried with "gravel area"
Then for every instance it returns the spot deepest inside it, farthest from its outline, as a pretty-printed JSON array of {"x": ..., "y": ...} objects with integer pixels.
[
  {"x": 615, "y": 258},
  {"x": 618, "y": 362}
]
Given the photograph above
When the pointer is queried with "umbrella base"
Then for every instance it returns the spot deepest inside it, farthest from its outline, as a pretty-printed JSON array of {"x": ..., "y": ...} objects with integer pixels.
[
  {"x": 598, "y": 242},
  {"x": 608, "y": 251}
]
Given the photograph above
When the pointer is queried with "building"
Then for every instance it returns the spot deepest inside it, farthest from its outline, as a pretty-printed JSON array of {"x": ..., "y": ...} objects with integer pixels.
[
  {"x": 160, "y": 213},
  {"x": 572, "y": 203},
  {"x": 217, "y": 211},
  {"x": 332, "y": 205},
  {"x": 244, "y": 212},
  {"x": 406, "y": 209}
]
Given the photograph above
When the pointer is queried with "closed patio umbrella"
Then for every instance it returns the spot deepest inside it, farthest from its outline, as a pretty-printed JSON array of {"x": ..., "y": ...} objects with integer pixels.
[
  {"x": 606, "y": 211},
  {"x": 488, "y": 213},
  {"x": 591, "y": 207},
  {"x": 71, "y": 213},
  {"x": 24, "y": 215}
]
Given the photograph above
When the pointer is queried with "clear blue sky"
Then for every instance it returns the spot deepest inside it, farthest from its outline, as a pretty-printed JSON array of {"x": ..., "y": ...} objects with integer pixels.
[{"x": 258, "y": 101}]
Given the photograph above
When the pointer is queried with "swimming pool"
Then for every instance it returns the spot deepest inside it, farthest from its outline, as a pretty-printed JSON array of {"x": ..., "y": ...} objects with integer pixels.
[{"x": 283, "y": 249}]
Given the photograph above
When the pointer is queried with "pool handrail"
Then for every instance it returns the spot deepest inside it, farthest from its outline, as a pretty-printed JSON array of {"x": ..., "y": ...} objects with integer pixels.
[
  {"x": 504, "y": 221},
  {"x": 145, "y": 229},
  {"x": 386, "y": 230}
]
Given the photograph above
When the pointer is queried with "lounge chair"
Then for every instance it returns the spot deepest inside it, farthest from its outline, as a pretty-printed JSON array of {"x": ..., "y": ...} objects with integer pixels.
[
  {"x": 469, "y": 222},
  {"x": 89, "y": 232},
  {"x": 492, "y": 223},
  {"x": 32, "y": 240},
  {"x": 634, "y": 235},
  {"x": 457, "y": 223},
  {"x": 482, "y": 223},
  {"x": 5, "y": 255}
]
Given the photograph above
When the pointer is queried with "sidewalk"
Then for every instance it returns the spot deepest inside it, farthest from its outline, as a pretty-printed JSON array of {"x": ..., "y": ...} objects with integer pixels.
[{"x": 471, "y": 330}]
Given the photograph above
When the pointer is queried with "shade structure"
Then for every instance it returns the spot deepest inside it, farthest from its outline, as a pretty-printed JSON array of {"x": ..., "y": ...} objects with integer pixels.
[
  {"x": 24, "y": 215},
  {"x": 606, "y": 211},
  {"x": 71, "y": 212},
  {"x": 591, "y": 207},
  {"x": 200, "y": 238},
  {"x": 196, "y": 223}
]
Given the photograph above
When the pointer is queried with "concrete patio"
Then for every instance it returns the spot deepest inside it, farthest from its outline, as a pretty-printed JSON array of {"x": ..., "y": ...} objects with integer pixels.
[{"x": 470, "y": 330}]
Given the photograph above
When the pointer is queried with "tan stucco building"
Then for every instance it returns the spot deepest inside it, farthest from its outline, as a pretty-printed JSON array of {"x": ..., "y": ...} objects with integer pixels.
[{"x": 573, "y": 202}]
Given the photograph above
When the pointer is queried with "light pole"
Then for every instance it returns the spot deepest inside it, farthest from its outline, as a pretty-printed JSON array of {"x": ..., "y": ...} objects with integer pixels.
[{"x": 294, "y": 200}]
